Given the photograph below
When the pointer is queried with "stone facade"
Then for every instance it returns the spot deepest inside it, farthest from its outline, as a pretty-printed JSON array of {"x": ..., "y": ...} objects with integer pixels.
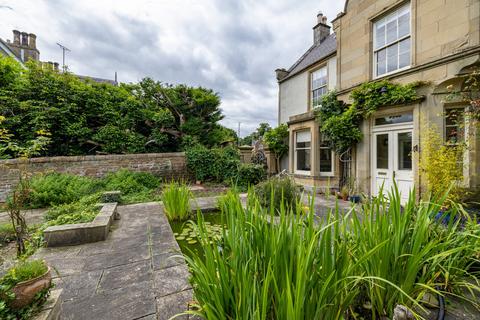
[
  {"x": 444, "y": 47},
  {"x": 445, "y": 41},
  {"x": 164, "y": 165}
]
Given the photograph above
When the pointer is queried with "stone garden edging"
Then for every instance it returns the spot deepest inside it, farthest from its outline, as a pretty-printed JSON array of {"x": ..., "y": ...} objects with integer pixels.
[
  {"x": 79, "y": 233},
  {"x": 52, "y": 308}
]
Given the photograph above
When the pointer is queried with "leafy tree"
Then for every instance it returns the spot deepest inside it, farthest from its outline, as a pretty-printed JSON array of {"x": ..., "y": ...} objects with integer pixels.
[
  {"x": 85, "y": 117},
  {"x": 277, "y": 141},
  {"x": 259, "y": 133}
]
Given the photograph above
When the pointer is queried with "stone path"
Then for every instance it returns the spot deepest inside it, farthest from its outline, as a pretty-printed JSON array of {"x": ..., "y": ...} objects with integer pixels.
[{"x": 135, "y": 274}]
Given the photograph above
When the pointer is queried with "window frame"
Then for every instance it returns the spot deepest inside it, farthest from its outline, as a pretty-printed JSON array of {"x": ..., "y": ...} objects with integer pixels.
[
  {"x": 323, "y": 144},
  {"x": 303, "y": 172},
  {"x": 324, "y": 86},
  {"x": 462, "y": 110},
  {"x": 396, "y": 42}
]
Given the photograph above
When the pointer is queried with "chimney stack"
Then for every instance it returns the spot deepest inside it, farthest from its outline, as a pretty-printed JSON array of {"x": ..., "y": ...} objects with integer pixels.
[
  {"x": 16, "y": 37},
  {"x": 321, "y": 30},
  {"x": 32, "y": 41},
  {"x": 281, "y": 74}
]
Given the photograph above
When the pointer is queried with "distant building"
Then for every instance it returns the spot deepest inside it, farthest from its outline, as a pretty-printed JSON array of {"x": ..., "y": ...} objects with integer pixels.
[{"x": 24, "y": 48}]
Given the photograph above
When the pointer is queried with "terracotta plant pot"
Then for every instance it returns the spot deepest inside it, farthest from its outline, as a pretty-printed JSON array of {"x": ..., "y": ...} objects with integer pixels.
[{"x": 25, "y": 291}]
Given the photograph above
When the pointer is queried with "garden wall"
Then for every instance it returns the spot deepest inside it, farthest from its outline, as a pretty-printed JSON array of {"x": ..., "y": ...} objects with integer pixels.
[{"x": 164, "y": 165}]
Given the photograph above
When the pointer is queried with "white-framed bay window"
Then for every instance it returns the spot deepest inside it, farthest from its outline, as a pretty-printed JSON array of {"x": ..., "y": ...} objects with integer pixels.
[
  {"x": 326, "y": 158},
  {"x": 319, "y": 86},
  {"x": 392, "y": 42},
  {"x": 303, "y": 143}
]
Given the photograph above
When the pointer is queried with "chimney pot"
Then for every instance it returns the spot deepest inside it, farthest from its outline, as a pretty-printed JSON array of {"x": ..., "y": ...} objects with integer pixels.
[
  {"x": 320, "y": 17},
  {"x": 16, "y": 37},
  {"x": 24, "y": 39},
  {"x": 321, "y": 30},
  {"x": 32, "y": 41}
]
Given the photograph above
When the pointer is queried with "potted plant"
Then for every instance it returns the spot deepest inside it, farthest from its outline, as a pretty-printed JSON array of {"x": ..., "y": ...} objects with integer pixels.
[
  {"x": 21, "y": 284},
  {"x": 344, "y": 193}
]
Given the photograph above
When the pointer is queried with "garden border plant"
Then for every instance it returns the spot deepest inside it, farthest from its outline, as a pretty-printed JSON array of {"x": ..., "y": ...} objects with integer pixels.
[{"x": 298, "y": 269}]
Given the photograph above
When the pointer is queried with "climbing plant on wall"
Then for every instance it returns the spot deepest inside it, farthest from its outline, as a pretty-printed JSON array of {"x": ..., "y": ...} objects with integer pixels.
[{"x": 339, "y": 122}]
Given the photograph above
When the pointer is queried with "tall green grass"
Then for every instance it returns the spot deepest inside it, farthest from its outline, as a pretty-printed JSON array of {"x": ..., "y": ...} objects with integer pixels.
[
  {"x": 176, "y": 200},
  {"x": 381, "y": 256}
]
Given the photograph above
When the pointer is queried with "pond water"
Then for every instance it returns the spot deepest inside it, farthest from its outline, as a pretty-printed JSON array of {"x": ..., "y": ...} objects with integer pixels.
[{"x": 187, "y": 236}]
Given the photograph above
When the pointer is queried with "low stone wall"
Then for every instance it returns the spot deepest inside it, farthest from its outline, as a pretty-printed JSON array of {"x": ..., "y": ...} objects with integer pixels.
[
  {"x": 164, "y": 165},
  {"x": 80, "y": 233}
]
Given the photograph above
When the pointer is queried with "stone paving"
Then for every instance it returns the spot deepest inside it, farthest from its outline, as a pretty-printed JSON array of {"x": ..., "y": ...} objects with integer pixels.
[{"x": 136, "y": 273}]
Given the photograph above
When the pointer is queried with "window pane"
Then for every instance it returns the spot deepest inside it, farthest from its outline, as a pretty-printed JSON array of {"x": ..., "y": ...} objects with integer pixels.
[
  {"x": 319, "y": 78},
  {"x": 379, "y": 36},
  {"x": 401, "y": 118},
  {"x": 405, "y": 151},
  {"x": 303, "y": 160},
  {"x": 304, "y": 136},
  {"x": 381, "y": 62},
  {"x": 382, "y": 151},
  {"x": 404, "y": 57},
  {"x": 392, "y": 31},
  {"x": 326, "y": 160},
  {"x": 404, "y": 25},
  {"x": 392, "y": 58},
  {"x": 454, "y": 125}
]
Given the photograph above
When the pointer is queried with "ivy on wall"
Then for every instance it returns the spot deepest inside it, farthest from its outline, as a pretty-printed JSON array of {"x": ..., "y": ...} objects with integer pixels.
[{"x": 340, "y": 123}]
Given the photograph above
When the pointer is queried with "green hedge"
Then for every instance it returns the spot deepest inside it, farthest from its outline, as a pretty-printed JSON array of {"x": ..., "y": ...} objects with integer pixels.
[{"x": 222, "y": 165}]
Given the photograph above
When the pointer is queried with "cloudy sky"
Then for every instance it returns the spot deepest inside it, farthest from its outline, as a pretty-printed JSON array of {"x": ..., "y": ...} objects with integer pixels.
[{"x": 231, "y": 46}]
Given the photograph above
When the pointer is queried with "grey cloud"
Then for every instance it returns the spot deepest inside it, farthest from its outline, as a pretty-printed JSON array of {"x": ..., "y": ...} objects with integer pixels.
[{"x": 233, "y": 48}]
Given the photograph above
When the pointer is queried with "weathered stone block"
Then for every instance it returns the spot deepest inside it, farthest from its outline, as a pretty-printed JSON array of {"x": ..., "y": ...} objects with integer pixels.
[
  {"x": 74, "y": 234},
  {"x": 111, "y": 196}
]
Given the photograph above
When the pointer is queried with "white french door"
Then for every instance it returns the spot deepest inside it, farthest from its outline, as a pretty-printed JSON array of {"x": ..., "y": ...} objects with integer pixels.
[{"x": 392, "y": 160}]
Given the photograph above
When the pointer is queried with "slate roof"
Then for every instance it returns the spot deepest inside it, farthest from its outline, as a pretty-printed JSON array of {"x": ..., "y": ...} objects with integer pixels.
[
  {"x": 316, "y": 53},
  {"x": 6, "y": 51}
]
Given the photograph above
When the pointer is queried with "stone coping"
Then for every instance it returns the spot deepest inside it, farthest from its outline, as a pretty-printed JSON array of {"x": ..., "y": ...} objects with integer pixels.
[
  {"x": 93, "y": 158},
  {"x": 79, "y": 233},
  {"x": 52, "y": 308}
]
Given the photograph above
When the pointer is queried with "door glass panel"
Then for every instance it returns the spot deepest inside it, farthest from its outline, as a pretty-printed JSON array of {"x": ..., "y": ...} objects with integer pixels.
[
  {"x": 382, "y": 151},
  {"x": 405, "y": 151}
]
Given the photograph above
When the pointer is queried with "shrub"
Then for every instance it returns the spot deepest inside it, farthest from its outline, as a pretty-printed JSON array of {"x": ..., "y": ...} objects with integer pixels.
[
  {"x": 84, "y": 210},
  {"x": 56, "y": 188},
  {"x": 129, "y": 182},
  {"x": 277, "y": 192},
  {"x": 176, "y": 200},
  {"x": 441, "y": 164},
  {"x": 217, "y": 164},
  {"x": 250, "y": 174},
  {"x": 7, "y": 233}
]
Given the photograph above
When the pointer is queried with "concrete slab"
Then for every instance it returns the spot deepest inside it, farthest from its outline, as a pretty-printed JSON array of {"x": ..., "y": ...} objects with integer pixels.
[
  {"x": 122, "y": 277},
  {"x": 171, "y": 280},
  {"x": 173, "y": 304}
]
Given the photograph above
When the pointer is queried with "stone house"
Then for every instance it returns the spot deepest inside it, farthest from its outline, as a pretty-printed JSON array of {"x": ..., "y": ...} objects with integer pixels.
[{"x": 433, "y": 41}]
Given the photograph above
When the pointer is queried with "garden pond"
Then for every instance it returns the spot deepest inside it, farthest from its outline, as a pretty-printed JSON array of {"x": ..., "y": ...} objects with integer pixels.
[{"x": 187, "y": 236}]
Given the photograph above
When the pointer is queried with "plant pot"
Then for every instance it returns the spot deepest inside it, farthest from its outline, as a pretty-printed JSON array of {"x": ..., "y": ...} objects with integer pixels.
[
  {"x": 26, "y": 291},
  {"x": 198, "y": 182},
  {"x": 355, "y": 199}
]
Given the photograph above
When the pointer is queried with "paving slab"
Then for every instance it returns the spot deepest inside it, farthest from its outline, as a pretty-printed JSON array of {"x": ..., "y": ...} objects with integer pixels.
[{"x": 126, "y": 277}]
